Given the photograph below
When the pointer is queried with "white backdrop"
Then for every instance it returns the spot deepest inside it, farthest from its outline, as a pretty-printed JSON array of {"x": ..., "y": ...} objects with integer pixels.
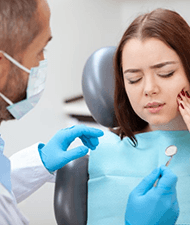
[{"x": 79, "y": 27}]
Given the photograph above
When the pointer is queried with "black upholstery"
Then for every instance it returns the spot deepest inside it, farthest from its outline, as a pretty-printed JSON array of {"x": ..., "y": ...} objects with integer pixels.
[{"x": 70, "y": 198}]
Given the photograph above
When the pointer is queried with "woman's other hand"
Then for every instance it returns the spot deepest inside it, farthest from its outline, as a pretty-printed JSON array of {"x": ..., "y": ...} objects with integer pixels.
[{"x": 183, "y": 100}]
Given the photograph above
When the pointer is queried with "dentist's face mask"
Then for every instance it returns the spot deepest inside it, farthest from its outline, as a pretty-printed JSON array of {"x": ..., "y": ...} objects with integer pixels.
[{"x": 35, "y": 88}]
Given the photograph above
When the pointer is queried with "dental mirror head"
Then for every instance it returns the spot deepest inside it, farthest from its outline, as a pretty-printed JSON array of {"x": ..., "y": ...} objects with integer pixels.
[{"x": 171, "y": 150}]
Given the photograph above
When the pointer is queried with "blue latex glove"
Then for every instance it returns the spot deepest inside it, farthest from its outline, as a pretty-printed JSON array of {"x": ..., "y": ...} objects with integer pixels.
[
  {"x": 54, "y": 154},
  {"x": 154, "y": 205}
]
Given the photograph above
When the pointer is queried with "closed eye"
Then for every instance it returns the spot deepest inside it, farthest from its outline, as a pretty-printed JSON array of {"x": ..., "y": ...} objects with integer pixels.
[
  {"x": 165, "y": 76},
  {"x": 133, "y": 82}
]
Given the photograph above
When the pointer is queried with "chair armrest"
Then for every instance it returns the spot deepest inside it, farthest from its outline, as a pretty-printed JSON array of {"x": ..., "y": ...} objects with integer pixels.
[{"x": 70, "y": 197}]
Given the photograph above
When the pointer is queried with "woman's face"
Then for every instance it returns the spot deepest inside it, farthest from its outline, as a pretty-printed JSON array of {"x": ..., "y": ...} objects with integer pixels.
[{"x": 153, "y": 72}]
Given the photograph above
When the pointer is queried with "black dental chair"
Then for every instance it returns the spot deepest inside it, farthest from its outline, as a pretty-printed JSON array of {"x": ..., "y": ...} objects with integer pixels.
[{"x": 71, "y": 188}]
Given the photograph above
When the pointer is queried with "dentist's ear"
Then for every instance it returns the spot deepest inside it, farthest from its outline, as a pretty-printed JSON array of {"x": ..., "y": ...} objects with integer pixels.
[
  {"x": 5, "y": 66},
  {"x": 3, "y": 59}
]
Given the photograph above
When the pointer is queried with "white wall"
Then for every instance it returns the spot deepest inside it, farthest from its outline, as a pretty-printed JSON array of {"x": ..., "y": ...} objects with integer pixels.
[
  {"x": 83, "y": 27},
  {"x": 132, "y": 8},
  {"x": 79, "y": 27}
]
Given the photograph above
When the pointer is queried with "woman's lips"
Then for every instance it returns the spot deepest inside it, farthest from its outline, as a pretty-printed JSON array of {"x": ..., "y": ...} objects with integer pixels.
[{"x": 154, "y": 109}]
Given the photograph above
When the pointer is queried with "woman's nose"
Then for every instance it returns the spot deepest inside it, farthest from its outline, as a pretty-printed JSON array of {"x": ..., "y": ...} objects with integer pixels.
[{"x": 150, "y": 85}]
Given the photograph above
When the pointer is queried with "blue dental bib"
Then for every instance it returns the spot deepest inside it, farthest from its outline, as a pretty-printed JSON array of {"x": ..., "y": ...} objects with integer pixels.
[{"x": 116, "y": 168}]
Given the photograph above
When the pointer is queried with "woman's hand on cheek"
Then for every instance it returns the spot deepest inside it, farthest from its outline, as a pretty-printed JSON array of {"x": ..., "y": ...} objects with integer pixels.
[{"x": 183, "y": 100}]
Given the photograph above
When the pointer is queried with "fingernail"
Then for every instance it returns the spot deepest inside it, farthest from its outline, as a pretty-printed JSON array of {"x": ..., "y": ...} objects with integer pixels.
[
  {"x": 187, "y": 94},
  {"x": 183, "y": 93},
  {"x": 181, "y": 106},
  {"x": 179, "y": 96}
]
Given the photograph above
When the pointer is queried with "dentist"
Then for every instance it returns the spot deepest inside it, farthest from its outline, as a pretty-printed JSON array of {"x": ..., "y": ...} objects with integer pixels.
[
  {"x": 23, "y": 70},
  {"x": 25, "y": 31}
]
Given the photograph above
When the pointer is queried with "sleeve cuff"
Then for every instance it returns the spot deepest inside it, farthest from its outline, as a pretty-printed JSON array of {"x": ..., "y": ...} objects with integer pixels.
[{"x": 28, "y": 172}]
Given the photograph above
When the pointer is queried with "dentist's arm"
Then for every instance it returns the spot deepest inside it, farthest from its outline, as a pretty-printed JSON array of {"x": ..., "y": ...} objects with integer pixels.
[
  {"x": 28, "y": 172},
  {"x": 54, "y": 154},
  {"x": 154, "y": 205}
]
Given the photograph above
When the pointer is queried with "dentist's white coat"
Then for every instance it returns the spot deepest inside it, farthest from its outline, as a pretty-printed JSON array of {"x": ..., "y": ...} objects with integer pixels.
[{"x": 27, "y": 175}]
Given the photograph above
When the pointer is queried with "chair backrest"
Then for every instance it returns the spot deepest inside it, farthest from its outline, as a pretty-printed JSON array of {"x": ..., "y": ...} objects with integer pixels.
[
  {"x": 98, "y": 86},
  {"x": 70, "y": 198}
]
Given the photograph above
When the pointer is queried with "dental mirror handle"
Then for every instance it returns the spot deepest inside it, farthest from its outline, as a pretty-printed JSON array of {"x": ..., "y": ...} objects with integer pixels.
[{"x": 168, "y": 162}]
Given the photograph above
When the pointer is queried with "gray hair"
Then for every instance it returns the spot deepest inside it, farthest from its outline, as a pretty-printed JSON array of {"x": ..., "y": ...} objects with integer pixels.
[{"x": 19, "y": 24}]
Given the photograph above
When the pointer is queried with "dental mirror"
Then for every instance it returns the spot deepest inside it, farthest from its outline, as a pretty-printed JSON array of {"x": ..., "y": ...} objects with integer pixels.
[{"x": 170, "y": 152}]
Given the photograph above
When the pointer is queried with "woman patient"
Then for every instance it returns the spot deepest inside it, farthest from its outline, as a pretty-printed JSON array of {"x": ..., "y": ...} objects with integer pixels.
[{"x": 152, "y": 106}]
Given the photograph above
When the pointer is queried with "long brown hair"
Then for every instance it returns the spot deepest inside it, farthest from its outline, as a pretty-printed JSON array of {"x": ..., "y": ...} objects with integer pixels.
[{"x": 165, "y": 25}]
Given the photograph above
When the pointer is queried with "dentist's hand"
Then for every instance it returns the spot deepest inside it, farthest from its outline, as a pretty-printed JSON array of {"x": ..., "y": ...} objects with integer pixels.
[
  {"x": 54, "y": 154},
  {"x": 183, "y": 100},
  {"x": 154, "y": 205}
]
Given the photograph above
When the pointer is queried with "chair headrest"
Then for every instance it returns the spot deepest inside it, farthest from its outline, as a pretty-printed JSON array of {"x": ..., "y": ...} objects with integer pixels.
[{"x": 98, "y": 86}]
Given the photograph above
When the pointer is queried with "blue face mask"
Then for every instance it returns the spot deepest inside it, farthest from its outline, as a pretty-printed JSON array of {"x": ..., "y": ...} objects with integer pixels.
[{"x": 35, "y": 88}]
